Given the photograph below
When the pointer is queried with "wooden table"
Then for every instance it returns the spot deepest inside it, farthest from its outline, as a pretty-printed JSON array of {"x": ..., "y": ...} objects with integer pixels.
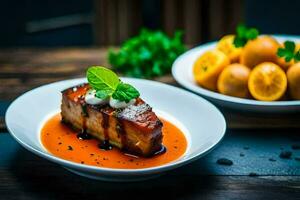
[{"x": 252, "y": 142}]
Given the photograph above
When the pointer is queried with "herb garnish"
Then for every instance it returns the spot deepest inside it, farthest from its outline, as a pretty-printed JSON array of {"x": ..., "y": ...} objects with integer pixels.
[
  {"x": 107, "y": 84},
  {"x": 149, "y": 54},
  {"x": 289, "y": 52},
  {"x": 243, "y": 35}
]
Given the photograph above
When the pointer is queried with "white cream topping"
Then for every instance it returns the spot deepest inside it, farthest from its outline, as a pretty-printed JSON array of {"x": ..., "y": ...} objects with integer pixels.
[
  {"x": 120, "y": 104},
  {"x": 90, "y": 98}
]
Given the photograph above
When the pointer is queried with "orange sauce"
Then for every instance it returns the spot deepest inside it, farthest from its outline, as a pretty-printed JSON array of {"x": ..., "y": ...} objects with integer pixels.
[{"x": 62, "y": 142}]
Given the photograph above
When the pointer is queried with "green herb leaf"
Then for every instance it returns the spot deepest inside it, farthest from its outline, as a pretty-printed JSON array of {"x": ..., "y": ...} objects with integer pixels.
[
  {"x": 243, "y": 35},
  {"x": 281, "y": 52},
  {"x": 290, "y": 46},
  {"x": 147, "y": 55},
  {"x": 297, "y": 56},
  {"x": 103, "y": 94},
  {"x": 288, "y": 52},
  {"x": 252, "y": 33},
  {"x": 239, "y": 42},
  {"x": 125, "y": 92},
  {"x": 241, "y": 31},
  {"x": 107, "y": 83},
  {"x": 102, "y": 79}
]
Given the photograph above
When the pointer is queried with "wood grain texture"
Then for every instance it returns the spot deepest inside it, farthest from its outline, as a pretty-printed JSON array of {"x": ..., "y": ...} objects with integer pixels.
[
  {"x": 201, "y": 20},
  {"x": 24, "y": 69},
  {"x": 24, "y": 175},
  {"x": 116, "y": 20}
]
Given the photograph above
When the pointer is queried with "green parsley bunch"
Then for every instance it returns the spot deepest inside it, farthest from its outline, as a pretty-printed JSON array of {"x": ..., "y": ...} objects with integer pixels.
[{"x": 147, "y": 55}]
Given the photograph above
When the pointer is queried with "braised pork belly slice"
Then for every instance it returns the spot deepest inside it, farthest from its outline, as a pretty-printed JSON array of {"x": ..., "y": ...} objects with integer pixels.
[{"x": 134, "y": 129}]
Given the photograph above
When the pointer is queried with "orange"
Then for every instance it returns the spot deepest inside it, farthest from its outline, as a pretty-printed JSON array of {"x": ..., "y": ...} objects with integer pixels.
[
  {"x": 283, "y": 64},
  {"x": 233, "y": 80},
  {"x": 208, "y": 67},
  {"x": 226, "y": 46},
  {"x": 262, "y": 49},
  {"x": 267, "y": 82},
  {"x": 293, "y": 77}
]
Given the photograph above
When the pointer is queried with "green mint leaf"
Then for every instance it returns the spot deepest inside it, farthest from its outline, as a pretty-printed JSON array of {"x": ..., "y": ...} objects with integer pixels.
[
  {"x": 125, "y": 92},
  {"x": 101, "y": 78},
  {"x": 103, "y": 94},
  {"x": 290, "y": 46}
]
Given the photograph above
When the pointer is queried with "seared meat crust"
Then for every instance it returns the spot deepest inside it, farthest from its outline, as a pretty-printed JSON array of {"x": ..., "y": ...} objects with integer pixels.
[{"x": 135, "y": 129}]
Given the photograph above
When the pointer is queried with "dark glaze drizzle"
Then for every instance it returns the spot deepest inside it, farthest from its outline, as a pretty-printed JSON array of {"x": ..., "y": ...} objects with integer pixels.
[
  {"x": 162, "y": 150},
  {"x": 83, "y": 135},
  {"x": 122, "y": 133},
  {"x": 105, "y": 125},
  {"x": 105, "y": 145}
]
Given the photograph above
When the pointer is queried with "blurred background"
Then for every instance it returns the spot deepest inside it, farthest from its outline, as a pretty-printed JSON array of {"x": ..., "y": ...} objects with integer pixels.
[{"x": 110, "y": 22}]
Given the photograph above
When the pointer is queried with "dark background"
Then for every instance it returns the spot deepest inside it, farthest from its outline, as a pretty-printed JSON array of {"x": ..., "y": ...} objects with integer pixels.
[{"x": 104, "y": 22}]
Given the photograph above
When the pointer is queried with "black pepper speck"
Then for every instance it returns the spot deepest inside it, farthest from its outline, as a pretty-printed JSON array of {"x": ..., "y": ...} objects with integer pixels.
[
  {"x": 296, "y": 146},
  {"x": 285, "y": 154},
  {"x": 253, "y": 174},
  {"x": 224, "y": 161},
  {"x": 297, "y": 158}
]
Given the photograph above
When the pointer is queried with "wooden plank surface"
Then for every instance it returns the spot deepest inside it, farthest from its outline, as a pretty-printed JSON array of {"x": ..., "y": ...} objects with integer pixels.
[
  {"x": 24, "y": 69},
  {"x": 249, "y": 151},
  {"x": 27, "y": 176}
]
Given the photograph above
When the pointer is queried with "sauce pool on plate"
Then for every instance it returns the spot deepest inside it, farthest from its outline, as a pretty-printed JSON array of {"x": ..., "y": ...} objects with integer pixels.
[{"x": 64, "y": 142}]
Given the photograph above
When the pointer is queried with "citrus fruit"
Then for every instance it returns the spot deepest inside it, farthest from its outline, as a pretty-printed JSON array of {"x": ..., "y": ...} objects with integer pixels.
[
  {"x": 262, "y": 49},
  {"x": 208, "y": 67},
  {"x": 233, "y": 80},
  {"x": 283, "y": 64},
  {"x": 293, "y": 77},
  {"x": 267, "y": 82},
  {"x": 226, "y": 46}
]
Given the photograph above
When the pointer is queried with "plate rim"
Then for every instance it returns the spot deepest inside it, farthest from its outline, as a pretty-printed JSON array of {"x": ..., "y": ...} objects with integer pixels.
[
  {"x": 221, "y": 97},
  {"x": 118, "y": 171}
]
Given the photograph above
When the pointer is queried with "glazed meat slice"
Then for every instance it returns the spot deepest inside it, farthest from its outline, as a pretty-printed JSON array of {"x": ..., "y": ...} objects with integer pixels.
[{"x": 135, "y": 129}]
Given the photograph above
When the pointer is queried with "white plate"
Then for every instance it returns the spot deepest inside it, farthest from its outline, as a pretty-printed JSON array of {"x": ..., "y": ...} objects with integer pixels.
[
  {"x": 202, "y": 123},
  {"x": 182, "y": 71}
]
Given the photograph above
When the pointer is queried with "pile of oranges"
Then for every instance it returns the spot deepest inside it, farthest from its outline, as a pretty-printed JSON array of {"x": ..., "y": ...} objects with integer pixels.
[{"x": 253, "y": 71}]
